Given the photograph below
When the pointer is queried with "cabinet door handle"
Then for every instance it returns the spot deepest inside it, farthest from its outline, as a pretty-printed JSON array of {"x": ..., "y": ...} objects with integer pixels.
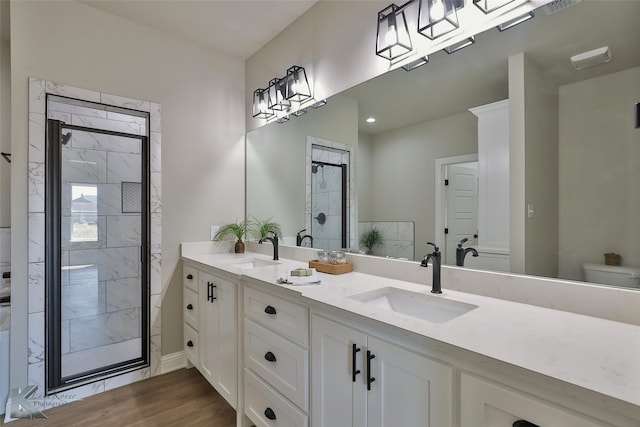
[
  {"x": 270, "y": 414},
  {"x": 370, "y": 379},
  {"x": 190, "y": 307},
  {"x": 270, "y": 310},
  {"x": 354, "y": 371},
  {"x": 189, "y": 276},
  {"x": 210, "y": 286},
  {"x": 270, "y": 356},
  {"x": 189, "y": 343}
]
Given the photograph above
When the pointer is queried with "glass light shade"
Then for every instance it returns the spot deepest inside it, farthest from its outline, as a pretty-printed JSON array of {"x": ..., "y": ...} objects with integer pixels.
[
  {"x": 392, "y": 40},
  {"x": 297, "y": 88},
  {"x": 261, "y": 104},
  {"x": 437, "y": 18},
  {"x": 277, "y": 95},
  {"x": 488, "y": 6}
]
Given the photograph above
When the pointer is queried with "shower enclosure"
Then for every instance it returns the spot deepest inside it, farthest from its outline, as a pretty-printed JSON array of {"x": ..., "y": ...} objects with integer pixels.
[{"x": 97, "y": 229}]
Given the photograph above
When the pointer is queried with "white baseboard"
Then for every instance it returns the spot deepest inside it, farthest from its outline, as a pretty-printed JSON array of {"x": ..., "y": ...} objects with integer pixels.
[{"x": 172, "y": 362}]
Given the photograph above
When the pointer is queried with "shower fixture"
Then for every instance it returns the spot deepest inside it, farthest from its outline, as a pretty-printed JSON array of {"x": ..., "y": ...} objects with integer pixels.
[{"x": 64, "y": 139}]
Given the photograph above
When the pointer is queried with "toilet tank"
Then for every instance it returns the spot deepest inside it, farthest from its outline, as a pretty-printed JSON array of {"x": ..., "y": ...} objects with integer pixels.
[{"x": 628, "y": 277}]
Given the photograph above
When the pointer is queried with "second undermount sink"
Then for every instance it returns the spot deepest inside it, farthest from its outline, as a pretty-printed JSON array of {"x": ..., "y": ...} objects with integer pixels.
[
  {"x": 422, "y": 306},
  {"x": 254, "y": 263}
]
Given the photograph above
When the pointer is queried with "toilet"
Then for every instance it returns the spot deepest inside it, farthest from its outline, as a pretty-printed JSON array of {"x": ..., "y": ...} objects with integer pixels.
[{"x": 627, "y": 277}]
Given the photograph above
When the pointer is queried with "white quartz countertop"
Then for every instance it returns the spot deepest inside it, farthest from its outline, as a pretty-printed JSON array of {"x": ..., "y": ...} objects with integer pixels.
[{"x": 593, "y": 353}]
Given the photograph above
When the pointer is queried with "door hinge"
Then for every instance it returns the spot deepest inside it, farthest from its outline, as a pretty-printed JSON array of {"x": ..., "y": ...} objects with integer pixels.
[
  {"x": 446, "y": 182},
  {"x": 446, "y": 231}
]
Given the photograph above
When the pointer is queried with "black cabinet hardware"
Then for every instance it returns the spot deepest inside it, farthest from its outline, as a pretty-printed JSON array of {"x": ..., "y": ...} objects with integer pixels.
[
  {"x": 210, "y": 286},
  {"x": 270, "y": 414},
  {"x": 189, "y": 276},
  {"x": 270, "y": 310},
  {"x": 190, "y": 307},
  {"x": 524, "y": 423},
  {"x": 270, "y": 356},
  {"x": 354, "y": 371},
  {"x": 189, "y": 343},
  {"x": 370, "y": 379}
]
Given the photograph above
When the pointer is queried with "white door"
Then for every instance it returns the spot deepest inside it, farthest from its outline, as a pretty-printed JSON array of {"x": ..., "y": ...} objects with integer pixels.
[
  {"x": 226, "y": 378},
  {"x": 208, "y": 327},
  {"x": 336, "y": 399},
  {"x": 461, "y": 195},
  {"x": 410, "y": 390}
]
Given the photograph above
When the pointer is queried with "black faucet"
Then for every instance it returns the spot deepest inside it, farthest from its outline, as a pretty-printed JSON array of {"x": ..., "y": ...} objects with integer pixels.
[
  {"x": 461, "y": 253},
  {"x": 300, "y": 238},
  {"x": 436, "y": 262},
  {"x": 274, "y": 241}
]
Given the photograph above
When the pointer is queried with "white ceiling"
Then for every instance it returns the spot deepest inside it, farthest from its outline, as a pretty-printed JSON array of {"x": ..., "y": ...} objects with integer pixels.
[{"x": 237, "y": 28}]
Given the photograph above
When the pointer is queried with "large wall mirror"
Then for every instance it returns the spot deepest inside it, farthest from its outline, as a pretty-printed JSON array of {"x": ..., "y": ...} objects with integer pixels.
[{"x": 570, "y": 192}]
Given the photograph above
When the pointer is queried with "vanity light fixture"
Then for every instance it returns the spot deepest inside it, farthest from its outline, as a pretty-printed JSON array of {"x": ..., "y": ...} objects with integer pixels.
[
  {"x": 277, "y": 95},
  {"x": 488, "y": 6},
  {"x": 460, "y": 45},
  {"x": 297, "y": 85},
  {"x": 319, "y": 104},
  {"x": 283, "y": 119},
  {"x": 437, "y": 18},
  {"x": 515, "y": 21},
  {"x": 300, "y": 112},
  {"x": 261, "y": 104},
  {"x": 417, "y": 63},
  {"x": 392, "y": 37}
]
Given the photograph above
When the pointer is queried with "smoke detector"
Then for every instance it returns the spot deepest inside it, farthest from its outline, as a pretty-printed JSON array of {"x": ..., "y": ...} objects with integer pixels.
[{"x": 591, "y": 58}]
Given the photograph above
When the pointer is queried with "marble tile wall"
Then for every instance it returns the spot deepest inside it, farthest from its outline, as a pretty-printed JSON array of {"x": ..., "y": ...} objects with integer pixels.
[
  {"x": 398, "y": 238},
  {"x": 106, "y": 306}
]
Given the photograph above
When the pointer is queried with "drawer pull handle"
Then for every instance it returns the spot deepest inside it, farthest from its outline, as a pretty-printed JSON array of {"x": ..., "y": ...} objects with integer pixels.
[
  {"x": 270, "y": 356},
  {"x": 189, "y": 343},
  {"x": 370, "y": 379},
  {"x": 189, "y": 276},
  {"x": 190, "y": 307},
  {"x": 354, "y": 350},
  {"x": 270, "y": 414},
  {"x": 270, "y": 310}
]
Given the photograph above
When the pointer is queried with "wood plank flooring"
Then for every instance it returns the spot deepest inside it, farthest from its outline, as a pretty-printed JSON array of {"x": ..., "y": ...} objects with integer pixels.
[{"x": 180, "y": 398}]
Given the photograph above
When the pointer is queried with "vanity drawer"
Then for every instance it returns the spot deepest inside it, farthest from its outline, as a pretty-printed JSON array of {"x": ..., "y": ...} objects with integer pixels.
[
  {"x": 190, "y": 277},
  {"x": 266, "y": 408},
  {"x": 281, "y": 363},
  {"x": 190, "y": 302},
  {"x": 284, "y": 317},
  {"x": 191, "y": 345}
]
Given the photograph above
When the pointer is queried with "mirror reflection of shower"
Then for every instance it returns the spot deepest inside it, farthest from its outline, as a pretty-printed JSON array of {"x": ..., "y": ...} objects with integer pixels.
[{"x": 329, "y": 198}]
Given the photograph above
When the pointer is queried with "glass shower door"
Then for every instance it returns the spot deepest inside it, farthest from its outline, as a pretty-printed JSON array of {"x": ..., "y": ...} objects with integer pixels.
[{"x": 100, "y": 271}]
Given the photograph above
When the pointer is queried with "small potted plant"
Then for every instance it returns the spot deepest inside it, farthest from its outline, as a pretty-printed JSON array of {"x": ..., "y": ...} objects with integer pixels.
[
  {"x": 235, "y": 229},
  {"x": 371, "y": 238},
  {"x": 261, "y": 229}
]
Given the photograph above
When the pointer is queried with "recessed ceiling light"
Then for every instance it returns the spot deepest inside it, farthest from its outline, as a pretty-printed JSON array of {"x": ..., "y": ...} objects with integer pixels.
[{"x": 371, "y": 120}]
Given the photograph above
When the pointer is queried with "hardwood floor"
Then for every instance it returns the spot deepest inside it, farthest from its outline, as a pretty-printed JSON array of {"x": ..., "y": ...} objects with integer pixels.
[{"x": 180, "y": 398}]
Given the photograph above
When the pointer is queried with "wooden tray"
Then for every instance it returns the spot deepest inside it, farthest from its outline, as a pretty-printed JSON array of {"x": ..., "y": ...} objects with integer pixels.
[{"x": 331, "y": 268}]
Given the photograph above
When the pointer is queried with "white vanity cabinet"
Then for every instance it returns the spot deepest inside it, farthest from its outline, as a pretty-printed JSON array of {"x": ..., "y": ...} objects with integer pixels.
[
  {"x": 276, "y": 360},
  {"x": 484, "y": 403},
  {"x": 362, "y": 380},
  {"x": 218, "y": 334}
]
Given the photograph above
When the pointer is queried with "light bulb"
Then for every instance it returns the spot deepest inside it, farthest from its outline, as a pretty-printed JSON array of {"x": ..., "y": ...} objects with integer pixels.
[
  {"x": 391, "y": 37},
  {"x": 437, "y": 10}
]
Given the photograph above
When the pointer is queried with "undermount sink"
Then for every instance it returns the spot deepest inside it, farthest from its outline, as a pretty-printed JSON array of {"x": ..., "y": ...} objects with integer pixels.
[
  {"x": 254, "y": 263},
  {"x": 422, "y": 306}
]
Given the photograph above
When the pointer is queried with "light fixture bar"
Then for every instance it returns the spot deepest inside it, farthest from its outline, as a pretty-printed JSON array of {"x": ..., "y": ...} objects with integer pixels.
[
  {"x": 515, "y": 21},
  {"x": 460, "y": 45}
]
